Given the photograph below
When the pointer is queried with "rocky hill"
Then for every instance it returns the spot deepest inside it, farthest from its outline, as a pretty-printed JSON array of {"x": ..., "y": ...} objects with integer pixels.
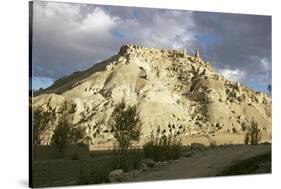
[{"x": 168, "y": 86}]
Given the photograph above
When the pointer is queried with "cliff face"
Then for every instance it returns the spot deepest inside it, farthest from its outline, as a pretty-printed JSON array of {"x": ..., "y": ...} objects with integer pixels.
[{"x": 167, "y": 86}]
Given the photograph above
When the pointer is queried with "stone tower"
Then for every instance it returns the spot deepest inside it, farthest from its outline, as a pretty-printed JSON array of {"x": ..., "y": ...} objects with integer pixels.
[
  {"x": 197, "y": 54},
  {"x": 184, "y": 52}
]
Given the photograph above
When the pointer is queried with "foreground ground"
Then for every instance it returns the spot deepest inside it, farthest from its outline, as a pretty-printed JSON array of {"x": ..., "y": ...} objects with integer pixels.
[
  {"x": 200, "y": 162},
  {"x": 206, "y": 163}
]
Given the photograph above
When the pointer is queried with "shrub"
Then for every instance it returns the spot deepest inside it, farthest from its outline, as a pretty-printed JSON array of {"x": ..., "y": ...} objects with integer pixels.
[
  {"x": 125, "y": 125},
  {"x": 126, "y": 129},
  {"x": 95, "y": 173},
  {"x": 127, "y": 160},
  {"x": 148, "y": 149},
  {"x": 247, "y": 138},
  {"x": 41, "y": 120},
  {"x": 161, "y": 147},
  {"x": 64, "y": 134},
  {"x": 99, "y": 175},
  {"x": 213, "y": 143},
  {"x": 253, "y": 134},
  {"x": 74, "y": 156},
  {"x": 61, "y": 135}
]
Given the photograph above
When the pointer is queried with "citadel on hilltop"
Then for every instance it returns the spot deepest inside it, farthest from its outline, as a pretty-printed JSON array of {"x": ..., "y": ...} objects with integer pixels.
[{"x": 130, "y": 48}]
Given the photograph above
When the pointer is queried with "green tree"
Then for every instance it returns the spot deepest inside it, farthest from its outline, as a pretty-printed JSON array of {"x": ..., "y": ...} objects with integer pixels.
[
  {"x": 41, "y": 120},
  {"x": 61, "y": 136},
  {"x": 253, "y": 134},
  {"x": 65, "y": 133},
  {"x": 125, "y": 125}
]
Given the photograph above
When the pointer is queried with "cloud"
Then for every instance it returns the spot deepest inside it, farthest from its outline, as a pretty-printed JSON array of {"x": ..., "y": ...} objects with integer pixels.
[
  {"x": 64, "y": 41},
  {"x": 164, "y": 29},
  {"x": 234, "y": 75},
  {"x": 69, "y": 37},
  {"x": 238, "y": 42},
  {"x": 263, "y": 74},
  {"x": 265, "y": 64},
  {"x": 99, "y": 21}
]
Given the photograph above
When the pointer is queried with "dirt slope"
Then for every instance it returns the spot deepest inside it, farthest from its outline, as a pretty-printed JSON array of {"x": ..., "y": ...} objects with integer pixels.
[{"x": 167, "y": 86}]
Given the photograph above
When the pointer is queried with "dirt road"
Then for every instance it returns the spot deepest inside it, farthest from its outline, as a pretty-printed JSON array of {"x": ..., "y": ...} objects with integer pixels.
[{"x": 204, "y": 164}]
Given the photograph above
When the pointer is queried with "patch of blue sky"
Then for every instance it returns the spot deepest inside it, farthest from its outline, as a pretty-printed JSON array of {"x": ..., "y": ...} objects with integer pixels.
[
  {"x": 257, "y": 86},
  {"x": 41, "y": 82},
  {"x": 117, "y": 34},
  {"x": 208, "y": 39}
]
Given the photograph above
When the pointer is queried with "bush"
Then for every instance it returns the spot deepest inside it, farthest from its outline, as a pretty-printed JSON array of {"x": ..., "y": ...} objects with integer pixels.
[
  {"x": 148, "y": 149},
  {"x": 213, "y": 144},
  {"x": 41, "y": 121},
  {"x": 125, "y": 125},
  {"x": 60, "y": 138},
  {"x": 127, "y": 160},
  {"x": 95, "y": 173},
  {"x": 247, "y": 138},
  {"x": 99, "y": 175},
  {"x": 74, "y": 156},
  {"x": 126, "y": 129},
  {"x": 162, "y": 147},
  {"x": 253, "y": 134},
  {"x": 65, "y": 134}
]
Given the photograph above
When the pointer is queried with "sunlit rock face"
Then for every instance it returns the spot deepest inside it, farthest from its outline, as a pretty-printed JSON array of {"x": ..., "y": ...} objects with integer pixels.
[{"x": 167, "y": 86}]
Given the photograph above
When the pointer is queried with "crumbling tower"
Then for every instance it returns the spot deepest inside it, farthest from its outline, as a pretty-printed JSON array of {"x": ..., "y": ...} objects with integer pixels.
[
  {"x": 197, "y": 54},
  {"x": 184, "y": 52}
]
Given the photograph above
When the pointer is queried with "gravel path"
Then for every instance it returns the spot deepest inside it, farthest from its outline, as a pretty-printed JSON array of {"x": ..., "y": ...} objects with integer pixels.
[{"x": 204, "y": 164}]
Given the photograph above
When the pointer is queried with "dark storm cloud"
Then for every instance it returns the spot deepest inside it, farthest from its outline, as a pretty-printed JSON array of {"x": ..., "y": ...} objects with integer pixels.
[
  {"x": 244, "y": 43},
  {"x": 64, "y": 41},
  {"x": 71, "y": 37}
]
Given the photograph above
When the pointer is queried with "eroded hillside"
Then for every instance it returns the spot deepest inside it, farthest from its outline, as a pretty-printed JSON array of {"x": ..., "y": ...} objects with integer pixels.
[{"x": 167, "y": 86}]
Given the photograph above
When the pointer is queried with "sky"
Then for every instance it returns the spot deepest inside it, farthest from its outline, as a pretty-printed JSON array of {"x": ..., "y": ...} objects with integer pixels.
[{"x": 71, "y": 37}]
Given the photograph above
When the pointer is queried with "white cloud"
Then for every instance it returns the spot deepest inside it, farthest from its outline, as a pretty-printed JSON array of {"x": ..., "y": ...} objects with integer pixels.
[
  {"x": 62, "y": 24},
  {"x": 68, "y": 37},
  {"x": 265, "y": 64},
  {"x": 65, "y": 39},
  {"x": 165, "y": 29},
  {"x": 234, "y": 75},
  {"x": 98, "y": 20}
]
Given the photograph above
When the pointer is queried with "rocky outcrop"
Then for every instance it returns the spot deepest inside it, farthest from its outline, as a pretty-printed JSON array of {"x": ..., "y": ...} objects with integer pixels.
[
  {"x": 116, "y": 176},
  {"x": 168, "y": 86}
]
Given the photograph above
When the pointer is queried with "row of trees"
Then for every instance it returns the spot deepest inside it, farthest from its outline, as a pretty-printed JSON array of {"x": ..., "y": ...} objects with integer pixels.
[
  {"x": 124, "y": 123},
  {"x": 64, "y": 133}
]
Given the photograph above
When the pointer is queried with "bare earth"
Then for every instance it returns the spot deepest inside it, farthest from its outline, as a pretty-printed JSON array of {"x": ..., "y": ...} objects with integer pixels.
[
  {"x": 168, "y": 87},
  {"x": 204, "y": 164}
]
